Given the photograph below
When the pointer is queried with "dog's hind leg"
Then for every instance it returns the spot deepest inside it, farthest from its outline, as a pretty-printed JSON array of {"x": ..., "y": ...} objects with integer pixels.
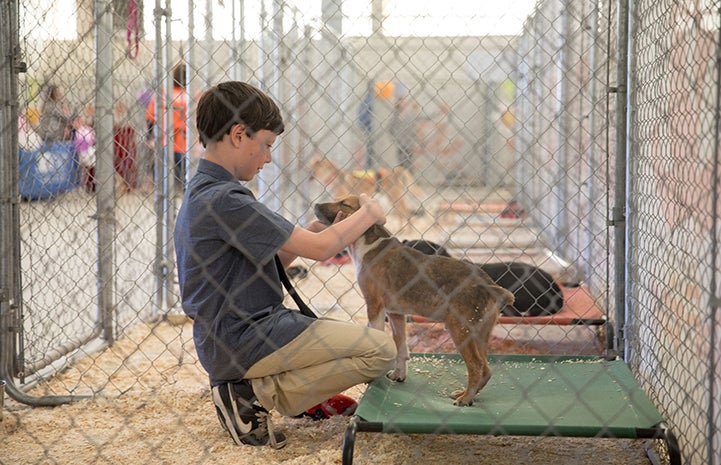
[
  {"x": 398, "y": 326},
  {"x": 468, "y": 342},
  {"x": 482, "y": 341}
]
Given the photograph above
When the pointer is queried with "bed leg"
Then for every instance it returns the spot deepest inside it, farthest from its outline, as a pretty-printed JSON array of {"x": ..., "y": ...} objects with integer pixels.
[
  {"x": 674, "y": 451},
  {"x": 672, "y": 448},
  {"x": 349, "y": 441}
]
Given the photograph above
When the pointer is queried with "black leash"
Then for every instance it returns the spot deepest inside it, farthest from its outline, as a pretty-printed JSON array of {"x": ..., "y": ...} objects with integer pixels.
[{"x": 291, "y": 290}]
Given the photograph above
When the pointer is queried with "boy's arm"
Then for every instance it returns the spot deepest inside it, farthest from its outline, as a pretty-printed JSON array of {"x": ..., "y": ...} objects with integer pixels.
[
  {"x": 331, "y": 240},
  {"x": 287, "y": 258}
]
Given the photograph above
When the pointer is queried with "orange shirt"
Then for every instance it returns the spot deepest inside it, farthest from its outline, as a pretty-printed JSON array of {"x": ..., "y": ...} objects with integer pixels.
[{"x": 180, "y": 113}]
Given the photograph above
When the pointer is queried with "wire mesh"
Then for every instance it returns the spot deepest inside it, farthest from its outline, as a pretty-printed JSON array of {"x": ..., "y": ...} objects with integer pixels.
[
  {"x": 500, "y": 145},
  {"x": 675, "y": 141}
]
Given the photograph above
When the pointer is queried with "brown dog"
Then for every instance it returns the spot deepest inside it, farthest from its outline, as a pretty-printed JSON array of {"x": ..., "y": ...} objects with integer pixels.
[
  {"x": 395, "y": 183},
  {"x": 399, "y": 280}
]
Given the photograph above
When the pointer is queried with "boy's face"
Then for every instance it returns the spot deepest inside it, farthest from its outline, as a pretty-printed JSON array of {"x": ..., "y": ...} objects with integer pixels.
[{"x": 255, "y": 153}]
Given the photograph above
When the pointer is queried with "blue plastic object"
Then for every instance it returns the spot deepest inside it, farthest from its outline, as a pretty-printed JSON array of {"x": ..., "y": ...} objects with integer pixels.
[{"x": 48, "y": 171}]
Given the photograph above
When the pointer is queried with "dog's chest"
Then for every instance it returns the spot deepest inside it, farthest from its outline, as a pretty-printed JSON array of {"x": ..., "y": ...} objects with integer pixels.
[{"x": 367, "y": 256}]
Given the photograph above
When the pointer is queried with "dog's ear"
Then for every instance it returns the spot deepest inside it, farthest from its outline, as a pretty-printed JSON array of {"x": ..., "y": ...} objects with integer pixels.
[{"x": 350, "y": 201}]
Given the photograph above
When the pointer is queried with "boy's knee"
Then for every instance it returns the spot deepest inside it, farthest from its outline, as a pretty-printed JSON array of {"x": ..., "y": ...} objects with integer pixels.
[
  {"x": 385, "y": 354},
  {"x": 388, "y": 348}
]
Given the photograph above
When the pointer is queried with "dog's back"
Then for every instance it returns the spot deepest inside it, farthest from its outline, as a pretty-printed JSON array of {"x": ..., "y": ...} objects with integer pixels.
[
  {"x": 413, "y": 282},
  {"x": 536, "y": 292}
]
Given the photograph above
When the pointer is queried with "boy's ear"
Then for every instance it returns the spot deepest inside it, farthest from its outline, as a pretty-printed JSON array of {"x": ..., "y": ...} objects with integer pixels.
[
  {"x": 237, "y": 132},
  {"x": 237, "y": 127}
]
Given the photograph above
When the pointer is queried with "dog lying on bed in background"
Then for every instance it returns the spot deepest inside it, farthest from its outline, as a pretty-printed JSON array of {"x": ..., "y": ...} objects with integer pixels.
[
  {"x": 399, "y": 280},
  {"x": 395, "y": 183},
  {"x": 536, "y": 292}
]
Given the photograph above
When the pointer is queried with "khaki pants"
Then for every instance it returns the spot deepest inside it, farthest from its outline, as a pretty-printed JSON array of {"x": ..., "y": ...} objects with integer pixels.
[{"x": 324, "y": 360}]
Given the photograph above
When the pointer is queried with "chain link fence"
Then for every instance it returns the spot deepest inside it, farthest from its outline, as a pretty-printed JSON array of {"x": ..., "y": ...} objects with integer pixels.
[
  {"x": 554, "y": 138},
  {"x": 672, "y": 330}
]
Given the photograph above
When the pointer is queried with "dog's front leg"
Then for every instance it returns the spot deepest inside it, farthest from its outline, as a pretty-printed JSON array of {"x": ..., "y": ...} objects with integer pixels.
[
  {"x": 398, "y": 327},
  {"x": 376, "y": 318}
]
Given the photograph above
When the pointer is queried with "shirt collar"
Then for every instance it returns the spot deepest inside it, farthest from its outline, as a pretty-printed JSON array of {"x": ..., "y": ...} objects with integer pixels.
[{"x": 215, "y": 170}]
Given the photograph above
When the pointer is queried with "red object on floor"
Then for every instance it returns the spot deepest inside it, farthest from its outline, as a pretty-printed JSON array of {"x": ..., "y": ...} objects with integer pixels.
[
  {"x": 513, "y": 210},
  {"x": 461, "y": 206},
  {"x": 337, "y": 405},
  {"x": 341, "y": 258}
]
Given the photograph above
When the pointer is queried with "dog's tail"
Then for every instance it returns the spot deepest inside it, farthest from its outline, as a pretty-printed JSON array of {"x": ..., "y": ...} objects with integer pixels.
[{"x": 504, "y": 296}]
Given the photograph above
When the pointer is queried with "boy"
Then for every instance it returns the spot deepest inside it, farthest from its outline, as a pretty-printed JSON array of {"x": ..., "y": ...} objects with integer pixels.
[{"x": 260, "y": 355}]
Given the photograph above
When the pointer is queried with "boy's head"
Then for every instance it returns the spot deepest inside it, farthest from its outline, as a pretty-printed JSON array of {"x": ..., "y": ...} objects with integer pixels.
[{"x": 235, "y": 102}]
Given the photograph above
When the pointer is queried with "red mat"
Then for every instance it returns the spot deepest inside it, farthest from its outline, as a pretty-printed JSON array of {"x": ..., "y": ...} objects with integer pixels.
[
  {"x": 503, "y": 209},
  {"x": 460, "y": 206},
  {"x": 579, "y": 307}
]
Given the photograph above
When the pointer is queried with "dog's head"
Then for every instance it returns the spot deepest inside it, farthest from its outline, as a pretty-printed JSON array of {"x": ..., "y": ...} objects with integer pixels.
[
  {"x": 322, "y": 169},
  {"x": 328, "y": 211}
]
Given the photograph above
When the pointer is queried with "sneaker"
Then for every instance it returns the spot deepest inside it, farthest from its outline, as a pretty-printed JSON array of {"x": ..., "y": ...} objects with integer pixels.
[
  {"x": 243, "y": 418},
  {"x": 296, "y": 272},
  {"x": 337, "y": 405}
]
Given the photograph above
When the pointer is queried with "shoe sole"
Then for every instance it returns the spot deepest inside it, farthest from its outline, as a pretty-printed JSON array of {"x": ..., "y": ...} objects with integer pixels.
[
  {"x": 227, "y": 421},
  {"x": 224, "y": 415}
]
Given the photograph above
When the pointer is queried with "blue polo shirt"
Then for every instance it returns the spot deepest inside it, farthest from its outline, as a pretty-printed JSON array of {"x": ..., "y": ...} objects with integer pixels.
[{"x": 225, "y": 243}]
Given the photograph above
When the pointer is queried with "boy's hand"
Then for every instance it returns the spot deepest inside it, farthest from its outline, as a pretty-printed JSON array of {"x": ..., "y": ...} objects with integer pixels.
[
  {"x": 374, "y": 207},
  {"x": 316, "y": 226}
]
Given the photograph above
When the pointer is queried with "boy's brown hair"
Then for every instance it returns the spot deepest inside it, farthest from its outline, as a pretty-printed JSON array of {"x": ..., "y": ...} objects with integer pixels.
[
  {"x": 235, "y": 102},
  {"x": 179, "y": 74}
]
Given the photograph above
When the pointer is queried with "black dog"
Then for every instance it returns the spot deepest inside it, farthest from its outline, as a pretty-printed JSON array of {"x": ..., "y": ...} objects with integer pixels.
[{"x": 535, "y": 290}]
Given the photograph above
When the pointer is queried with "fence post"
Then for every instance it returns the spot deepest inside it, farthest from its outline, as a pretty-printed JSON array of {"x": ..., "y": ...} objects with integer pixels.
[
  {"x": 714, "y": 431},
  {"x": 171, "y": 185},
  {"x": 105, "y": 199},
  {"x": 10, "y": 298},
  {"x": 163, "y": 168},
  {"x": 618, "y": 213},
  {"x": 10, "y": 278}
]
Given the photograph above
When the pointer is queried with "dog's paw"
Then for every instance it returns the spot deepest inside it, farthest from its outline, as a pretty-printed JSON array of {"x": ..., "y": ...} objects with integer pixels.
[
  {"x": 461, "y": 399},
  {"x": 397, "y": 375}
]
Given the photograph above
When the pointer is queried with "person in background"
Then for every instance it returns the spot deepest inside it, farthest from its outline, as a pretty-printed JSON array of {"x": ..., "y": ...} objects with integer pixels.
[
  {"x": 84, "y": 144},
  {"x": 179, "y": 105},
  {"x": 366, "y": 123},
  {"x": 404, "y": 132},
  {"x": 259, "y": 354},
  {"x": 55, "y": 117}
]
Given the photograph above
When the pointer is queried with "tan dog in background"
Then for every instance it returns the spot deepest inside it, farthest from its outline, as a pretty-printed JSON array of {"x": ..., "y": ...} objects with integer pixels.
[
  {"x": 399, "y": 280},
  {"x": 395, "y": 183}
]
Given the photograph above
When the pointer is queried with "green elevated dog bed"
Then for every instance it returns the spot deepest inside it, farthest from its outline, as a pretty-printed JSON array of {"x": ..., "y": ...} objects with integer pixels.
[{"x": 569, "y": 396}]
